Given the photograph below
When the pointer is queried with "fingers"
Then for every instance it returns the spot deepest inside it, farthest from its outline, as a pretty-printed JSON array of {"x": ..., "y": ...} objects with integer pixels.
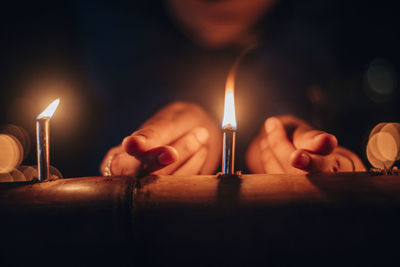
[
  {"x": 305, "y": 137},
  {"x": 166, "y": 126},
  {"x": 289, "y": 145},
  {"x": 269, "y": 160},
  {"x": 193, "y": 165},
  {"x": 165, "y": 159},
  {"x": 113, "y": 151},
  {"x": 317, "y": 163},
  {"x": 171, "y": 124},
  {"x": 356, "y": 161},
  {"x": 315, "y": 141},
  {"x": 126, "y": 165},
  {"x": 169, "y": 138},
  {"x": 342, "y": 160},
  {"x": 278, "y": 148},
  {"x": 156, "y": 158},
  {"x": 123, "y": 164},
  {"x": 253, "y": 159},
  {"x": 186, "y": 147}
]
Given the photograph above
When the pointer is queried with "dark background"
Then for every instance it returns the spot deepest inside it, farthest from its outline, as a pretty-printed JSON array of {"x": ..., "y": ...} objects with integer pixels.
[{"x": 91, "y": 53}]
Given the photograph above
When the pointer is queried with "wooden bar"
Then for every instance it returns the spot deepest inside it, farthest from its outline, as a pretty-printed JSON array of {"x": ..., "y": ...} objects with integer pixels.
[
  {"x": 254, "y": 219},
  {"x": 269, "y": 190},
  {"x": 321, "y": 219},
  {"x": 92, "y": 210}
]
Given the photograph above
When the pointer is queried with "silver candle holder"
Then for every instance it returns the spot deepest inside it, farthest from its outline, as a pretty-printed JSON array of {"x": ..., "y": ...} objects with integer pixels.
[
  {"x": 228, "y": 151},
  {"x": 43, "y": 140}
]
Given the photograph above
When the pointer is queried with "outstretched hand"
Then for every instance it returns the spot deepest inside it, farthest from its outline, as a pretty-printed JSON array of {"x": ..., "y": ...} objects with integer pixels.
[
  {"x": 289, "y": 145},
  {"x": 180, "y": 139}
]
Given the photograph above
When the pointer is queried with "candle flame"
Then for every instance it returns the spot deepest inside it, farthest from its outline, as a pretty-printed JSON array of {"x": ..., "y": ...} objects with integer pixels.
[
  {"x": 49, "y": 111},
  {"x": 229, "y": 120}
]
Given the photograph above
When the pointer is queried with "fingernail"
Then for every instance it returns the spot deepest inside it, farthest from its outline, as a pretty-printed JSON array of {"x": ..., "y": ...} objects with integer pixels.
[
  {"x": 303, "y": 160},
  {"x": 140, "y": 138},
  {"x": 165, "y": 158},
  {"x": 270, "y": 125},
  {"x": 134, "y": 144},
  {"x": 202, "y": 135},
  {"x": 326, "y": 143},
  {"x": 318, "y": 137}
]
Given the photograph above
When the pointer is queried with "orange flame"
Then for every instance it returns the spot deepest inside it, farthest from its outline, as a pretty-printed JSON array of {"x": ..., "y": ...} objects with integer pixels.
[
  {"x": 229, "y": 120},
  {"x": 49, "y": 111}
]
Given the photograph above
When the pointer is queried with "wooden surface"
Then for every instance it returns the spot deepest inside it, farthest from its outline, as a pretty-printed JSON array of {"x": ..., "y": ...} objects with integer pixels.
[
  {"x": 348, "y": 218},
  {"x": 91, "y": 210},
  {"x": 260, "y": 189},
  {"x": 339, "y": 219}
]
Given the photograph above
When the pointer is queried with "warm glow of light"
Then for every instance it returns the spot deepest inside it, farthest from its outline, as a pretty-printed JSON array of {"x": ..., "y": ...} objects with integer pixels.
[
  {"x": 11, "y": 153},
  {"x": 49, "y": 111},
  {"x": 383, "y": 147},
  {"x": 76, "y": 187},
  {"x": 229, "y": 120}
]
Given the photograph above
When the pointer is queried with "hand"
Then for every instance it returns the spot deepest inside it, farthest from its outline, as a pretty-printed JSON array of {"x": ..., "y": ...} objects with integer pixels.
[
  {"x": 180, "y": 139},
  {"x": 289, "y": 145}
]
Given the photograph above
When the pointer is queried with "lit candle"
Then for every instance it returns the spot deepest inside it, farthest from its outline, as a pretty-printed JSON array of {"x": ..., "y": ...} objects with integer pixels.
[
  {"x": 43, "y": 140},
  {"x": 229, "y": 126},
  {"x": 229, "y": 119}
]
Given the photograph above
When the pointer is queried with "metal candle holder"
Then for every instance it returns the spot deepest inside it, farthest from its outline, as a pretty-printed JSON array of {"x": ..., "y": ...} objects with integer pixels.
[
  {"x": 228, "y": 151},
  {"x": 43, "y": 140}
]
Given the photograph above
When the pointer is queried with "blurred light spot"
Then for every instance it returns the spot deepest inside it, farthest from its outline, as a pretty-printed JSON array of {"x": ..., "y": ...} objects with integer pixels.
[
  {"x": 383, "y": 147},
  {"x": 29, "y": 172},
  {"x": 17, "y": 176},
  {"x": 55, "y": 173},
  {"x": 381, "y": 80},
  {"x": 22, "y": 135},
  {"x": 10, "y": 153},
  {"x": 373, "y": 155},
  {"x": 41, "y": 91},
  {"x": 394, "y": 130},
  {"x": 6, "y": 177},
  {"x": 387, "y": 146},
  {"x": 377, "y": 129}
]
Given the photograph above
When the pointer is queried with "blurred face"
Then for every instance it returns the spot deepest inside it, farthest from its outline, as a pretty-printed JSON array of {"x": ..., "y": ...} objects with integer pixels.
[{"x": 216, "y": 23}]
